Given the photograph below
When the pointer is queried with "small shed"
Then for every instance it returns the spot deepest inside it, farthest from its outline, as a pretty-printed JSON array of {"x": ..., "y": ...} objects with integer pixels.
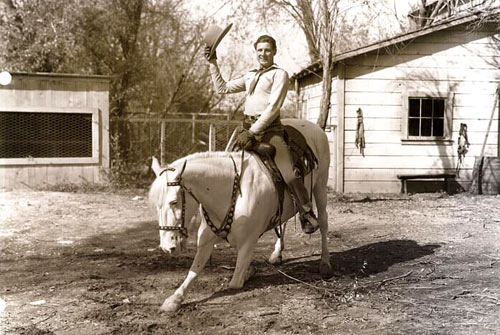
[
  {"x": 54, "y": 128},
  {"x": 414, "y": 92}
]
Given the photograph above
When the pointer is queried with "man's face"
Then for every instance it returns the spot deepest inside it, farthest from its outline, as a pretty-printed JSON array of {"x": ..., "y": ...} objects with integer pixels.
[{"x": 265, "y": 54}]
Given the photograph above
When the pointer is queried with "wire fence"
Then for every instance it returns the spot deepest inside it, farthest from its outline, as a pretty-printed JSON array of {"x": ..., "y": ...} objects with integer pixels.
[{"x": 135, "y": 141}]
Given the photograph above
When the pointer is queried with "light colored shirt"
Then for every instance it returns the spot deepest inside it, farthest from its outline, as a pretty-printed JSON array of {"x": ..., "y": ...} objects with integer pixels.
[{"x": 267, "y": 97}]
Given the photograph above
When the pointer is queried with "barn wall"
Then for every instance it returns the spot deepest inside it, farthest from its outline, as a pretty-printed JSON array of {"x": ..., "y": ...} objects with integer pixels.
[
  {"x": 452, "y": 60},
  {"x": 310, "y": 95},
  {"x": 61, "y": 93}
]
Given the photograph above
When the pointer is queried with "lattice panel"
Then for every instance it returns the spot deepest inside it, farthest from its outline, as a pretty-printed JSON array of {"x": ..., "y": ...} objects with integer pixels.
[{"x": 40, "y": 135}]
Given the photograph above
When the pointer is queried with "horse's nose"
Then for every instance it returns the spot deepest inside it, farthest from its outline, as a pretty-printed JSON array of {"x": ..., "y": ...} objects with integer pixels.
[{"x": 168, "y": 250}]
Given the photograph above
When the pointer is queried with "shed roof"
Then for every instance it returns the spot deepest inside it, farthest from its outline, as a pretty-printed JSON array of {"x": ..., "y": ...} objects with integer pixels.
[
  {"x": 61, "y": 75},
  {"x": 402, "y": 38}
]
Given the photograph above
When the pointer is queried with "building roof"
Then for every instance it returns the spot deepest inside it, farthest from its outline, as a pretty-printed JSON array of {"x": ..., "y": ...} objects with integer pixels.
[
  {"x": 56, "y": 74},
  {"x": 402, "y": 38}
]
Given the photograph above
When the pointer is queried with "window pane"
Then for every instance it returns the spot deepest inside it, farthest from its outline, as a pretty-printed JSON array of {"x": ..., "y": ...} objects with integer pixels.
[
  {"x": 426, "y": 127},
  {"x": 426, "y": 107},
  {"x": 414, "y": 127},
  {"x": 438, "y": 107},
  {"x": 414, "y": 107},
  {"x": 438, "y": 127}
]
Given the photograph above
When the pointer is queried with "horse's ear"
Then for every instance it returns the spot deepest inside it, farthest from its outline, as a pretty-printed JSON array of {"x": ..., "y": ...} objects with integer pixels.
[
  {"x": 183, "y": 168},
  {"x": 155, "y": 165}
]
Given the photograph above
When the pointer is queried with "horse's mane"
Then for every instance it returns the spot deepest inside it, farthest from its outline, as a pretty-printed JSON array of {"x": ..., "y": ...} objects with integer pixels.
[
  {"x": 158, "y": 189},
  {"x": 205, "y": 155}
]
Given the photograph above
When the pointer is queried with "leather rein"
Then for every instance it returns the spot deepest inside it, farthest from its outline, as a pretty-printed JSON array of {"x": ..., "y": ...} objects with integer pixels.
[{"x": 225, "y": 228}]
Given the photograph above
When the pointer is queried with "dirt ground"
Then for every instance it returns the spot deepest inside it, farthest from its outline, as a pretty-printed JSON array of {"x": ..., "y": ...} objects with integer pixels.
[{"x": 75, "y": 263}]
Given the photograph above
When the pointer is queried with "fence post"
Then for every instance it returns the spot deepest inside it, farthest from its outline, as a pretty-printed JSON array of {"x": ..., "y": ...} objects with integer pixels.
[
  {"x": 212, "y": 145},
  {"x": 193, "y": 133},
  {"x": 163, "y": 143}
]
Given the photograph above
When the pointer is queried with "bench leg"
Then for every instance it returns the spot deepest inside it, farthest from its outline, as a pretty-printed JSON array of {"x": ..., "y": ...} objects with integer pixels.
[
  {"x": 447, "y": 185},
  {"x": 403, "y": 183}
]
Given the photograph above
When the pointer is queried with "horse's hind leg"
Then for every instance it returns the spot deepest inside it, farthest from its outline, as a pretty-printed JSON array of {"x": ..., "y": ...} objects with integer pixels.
[
  {"x": 320, "y": 197},
  {"x": 276, "y": 257}
]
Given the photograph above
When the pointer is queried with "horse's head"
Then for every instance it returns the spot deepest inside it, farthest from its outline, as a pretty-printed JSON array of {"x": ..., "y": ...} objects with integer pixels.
[{"x": 175, "y": 205}]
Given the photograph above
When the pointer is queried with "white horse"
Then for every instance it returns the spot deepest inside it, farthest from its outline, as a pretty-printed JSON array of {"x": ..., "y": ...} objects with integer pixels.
[{"x": 237, "y": 209}]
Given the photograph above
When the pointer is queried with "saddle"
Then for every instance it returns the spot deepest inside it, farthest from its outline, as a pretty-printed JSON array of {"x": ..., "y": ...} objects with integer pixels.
[{"x": 303, "y": 157}]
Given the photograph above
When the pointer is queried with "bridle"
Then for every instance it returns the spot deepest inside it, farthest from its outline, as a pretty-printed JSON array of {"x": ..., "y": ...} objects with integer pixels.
[
  {"x": 224, "y": 229},
  {"x": 178, "y": 182}
]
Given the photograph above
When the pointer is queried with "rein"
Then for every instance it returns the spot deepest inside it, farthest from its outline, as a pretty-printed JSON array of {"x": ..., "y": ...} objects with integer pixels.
[{"x": 225, "y": 228}]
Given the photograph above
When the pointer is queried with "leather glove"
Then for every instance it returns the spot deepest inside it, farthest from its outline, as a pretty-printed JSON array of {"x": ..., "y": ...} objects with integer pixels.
[
  {"x": 245, "y": 140},
  {"x": 207, "y": 54}
]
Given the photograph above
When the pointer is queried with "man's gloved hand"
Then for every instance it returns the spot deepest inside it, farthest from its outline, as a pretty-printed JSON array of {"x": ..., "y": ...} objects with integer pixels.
[
  {"x": 207, "y": 54},
  {"x": 245, "y": 140}
]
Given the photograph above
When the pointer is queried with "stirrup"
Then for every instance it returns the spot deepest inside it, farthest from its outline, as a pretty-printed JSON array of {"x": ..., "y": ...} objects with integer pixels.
[{"x": 309, "y": 222}]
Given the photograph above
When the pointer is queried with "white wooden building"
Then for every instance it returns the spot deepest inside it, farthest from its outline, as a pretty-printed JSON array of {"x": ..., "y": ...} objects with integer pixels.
[
  {"x": 414, "y": 91},
  {"x": 54, "y": 128}
]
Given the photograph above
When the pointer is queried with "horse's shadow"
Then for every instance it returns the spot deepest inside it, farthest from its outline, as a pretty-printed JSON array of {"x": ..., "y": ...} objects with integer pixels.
[
  {"x": 358, "y": 262},
  {"x": 362, "y": 261}
]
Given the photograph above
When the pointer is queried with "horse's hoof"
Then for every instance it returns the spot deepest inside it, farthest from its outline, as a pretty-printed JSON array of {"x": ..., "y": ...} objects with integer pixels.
[
  {"x": 235, "y": 286},
  {"x": 250, "y": 272},
  {"x": 326, "y": 270},
  {"x": 171, "y": 304},
  {"x": 275, "y": 260}
]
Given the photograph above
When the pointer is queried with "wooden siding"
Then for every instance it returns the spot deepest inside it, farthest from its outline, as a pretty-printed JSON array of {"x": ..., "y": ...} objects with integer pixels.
[
  {"x": 464, "y": 63},
  {"x": 58, "y": 93},
  {"x": 311, "y": 101},
  {"x": 441, "y": 62}
]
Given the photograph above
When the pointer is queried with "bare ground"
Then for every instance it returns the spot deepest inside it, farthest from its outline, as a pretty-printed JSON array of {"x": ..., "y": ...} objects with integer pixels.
[{"x": 89, "y": 264}]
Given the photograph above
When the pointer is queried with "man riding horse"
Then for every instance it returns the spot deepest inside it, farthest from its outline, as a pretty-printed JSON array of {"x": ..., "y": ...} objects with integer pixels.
[{"x": 266, "y": 88}]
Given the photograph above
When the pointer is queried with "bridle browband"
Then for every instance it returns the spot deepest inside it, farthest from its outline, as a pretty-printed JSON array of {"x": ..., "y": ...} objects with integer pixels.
[{"x": 224, "y": 229}]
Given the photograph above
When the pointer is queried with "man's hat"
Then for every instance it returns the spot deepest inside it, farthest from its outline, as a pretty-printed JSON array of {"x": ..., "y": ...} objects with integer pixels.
[{"x": 214, "y": 35}]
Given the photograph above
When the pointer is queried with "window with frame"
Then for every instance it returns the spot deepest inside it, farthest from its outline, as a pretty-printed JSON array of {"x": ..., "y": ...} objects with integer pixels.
[
  {"x": 31, "y": 135},
  {"x": 426, "y": 117},
  {"x": 45, "y": 135}
]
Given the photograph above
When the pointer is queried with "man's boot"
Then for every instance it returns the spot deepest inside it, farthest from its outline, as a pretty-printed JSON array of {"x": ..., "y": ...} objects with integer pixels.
[{"x": 308, "y": 220}]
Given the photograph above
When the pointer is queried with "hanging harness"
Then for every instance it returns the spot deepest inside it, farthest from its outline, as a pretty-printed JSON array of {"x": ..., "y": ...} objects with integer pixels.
[
  {"x": 360, "y": 133},
  {"x": 463, "y": 146}
]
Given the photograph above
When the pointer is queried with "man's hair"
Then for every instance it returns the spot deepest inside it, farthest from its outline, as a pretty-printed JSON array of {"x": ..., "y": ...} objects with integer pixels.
[{"x": 265, "y": 39}]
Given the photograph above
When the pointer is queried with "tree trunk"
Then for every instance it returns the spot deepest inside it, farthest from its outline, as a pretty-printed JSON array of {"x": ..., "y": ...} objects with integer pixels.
[{"x": 326, "y": 91}]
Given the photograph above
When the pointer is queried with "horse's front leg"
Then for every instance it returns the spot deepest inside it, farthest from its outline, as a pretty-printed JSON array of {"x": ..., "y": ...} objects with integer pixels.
[
  {"x": 206, "y": 242},
  {"x": 242, "y": 272}
]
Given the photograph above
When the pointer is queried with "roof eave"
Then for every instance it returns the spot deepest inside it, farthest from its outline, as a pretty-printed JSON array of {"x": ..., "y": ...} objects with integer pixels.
[{"x": 455, "y": 21}]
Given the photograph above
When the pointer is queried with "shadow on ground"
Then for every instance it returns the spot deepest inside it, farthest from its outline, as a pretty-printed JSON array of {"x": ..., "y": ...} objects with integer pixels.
[{"x": 358, "y": 262}]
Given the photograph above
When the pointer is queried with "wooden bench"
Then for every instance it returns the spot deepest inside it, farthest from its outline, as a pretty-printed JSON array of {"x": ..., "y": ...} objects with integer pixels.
[{"x": 445, "y": 176}]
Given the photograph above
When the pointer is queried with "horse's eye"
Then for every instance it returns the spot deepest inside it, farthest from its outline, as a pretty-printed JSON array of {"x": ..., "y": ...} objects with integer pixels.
[{"x": 173, "y": 202}]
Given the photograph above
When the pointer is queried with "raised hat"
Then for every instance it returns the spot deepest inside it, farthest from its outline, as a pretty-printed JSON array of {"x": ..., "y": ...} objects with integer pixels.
[{"x": 214, "y": 35}]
